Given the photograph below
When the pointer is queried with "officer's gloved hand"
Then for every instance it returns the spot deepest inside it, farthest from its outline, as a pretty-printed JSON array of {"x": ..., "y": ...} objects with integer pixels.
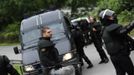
[
  {"x": 58, "y": 66},
  {"x": 128, "y": 28},
  {"x": 132, "y": 23}
]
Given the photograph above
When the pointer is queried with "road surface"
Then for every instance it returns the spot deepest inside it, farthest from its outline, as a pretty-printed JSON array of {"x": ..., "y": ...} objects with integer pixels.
[
  {"x": 8, "y": 50},
  {"x": 98, "y": 69}
]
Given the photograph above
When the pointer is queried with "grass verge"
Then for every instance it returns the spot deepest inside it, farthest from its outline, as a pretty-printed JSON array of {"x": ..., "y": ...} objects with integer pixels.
[
  {"x": 17, "y": 67},
  {"x": 8, "y": 44}
]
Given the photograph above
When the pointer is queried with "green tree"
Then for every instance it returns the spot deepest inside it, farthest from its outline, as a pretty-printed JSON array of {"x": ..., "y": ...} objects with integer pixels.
[
  {"x": 8, "y": 12},
  {"x": 74, "y": 4}
]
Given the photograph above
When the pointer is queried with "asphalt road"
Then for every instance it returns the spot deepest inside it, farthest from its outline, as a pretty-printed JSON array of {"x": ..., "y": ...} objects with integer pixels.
[
  {"x": 8, "y": 50},
  {"x": 98, "y": 69}
]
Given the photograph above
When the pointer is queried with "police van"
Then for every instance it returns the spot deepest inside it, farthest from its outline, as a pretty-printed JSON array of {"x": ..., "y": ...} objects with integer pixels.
[{"x": 30, "y": 32}]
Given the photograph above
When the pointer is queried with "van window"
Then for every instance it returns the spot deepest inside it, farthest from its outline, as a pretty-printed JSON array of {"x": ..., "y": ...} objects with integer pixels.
[
  {"x": 58, "y": 31},
  {"x": 30, "y": 38},
  {"x": 60, "y": 39}
]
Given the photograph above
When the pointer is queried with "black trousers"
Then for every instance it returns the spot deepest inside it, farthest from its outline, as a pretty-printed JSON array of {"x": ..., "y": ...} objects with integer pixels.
[
  {"x": 82, "y": 55},
  {"x": 100, "y": 50},
  {"x": 46, "y": 71},
  {"x": 87, "y": 39},
  {"x": 123, "y": 65}
]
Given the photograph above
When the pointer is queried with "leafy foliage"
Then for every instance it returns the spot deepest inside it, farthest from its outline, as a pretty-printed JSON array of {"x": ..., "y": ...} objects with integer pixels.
[
  {"x": 10, "y": 33},
  {"x": 123, "y": 8},
  {"x": 13, "y": 11}
]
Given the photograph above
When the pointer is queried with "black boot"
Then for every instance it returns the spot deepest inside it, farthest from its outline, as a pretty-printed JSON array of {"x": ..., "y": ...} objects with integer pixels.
[
  {"x": 105, "y": 60},
  {"x": 90, "y": 66},
  {"x": 82, "y": 63}
]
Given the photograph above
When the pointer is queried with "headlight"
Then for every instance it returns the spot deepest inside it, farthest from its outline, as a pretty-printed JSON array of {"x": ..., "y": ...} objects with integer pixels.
[
  {"x": 29, "y": 68},
  {"x": 67, "y": 56}
]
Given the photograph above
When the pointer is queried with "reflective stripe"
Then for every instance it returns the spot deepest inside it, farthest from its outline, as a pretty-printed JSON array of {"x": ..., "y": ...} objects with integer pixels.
[
  {"x": 104, "y": 13},
  {"x": 37, "y": 21},
  {"x": 59, "y": 15},
  {"x": 40, "y": 19}
]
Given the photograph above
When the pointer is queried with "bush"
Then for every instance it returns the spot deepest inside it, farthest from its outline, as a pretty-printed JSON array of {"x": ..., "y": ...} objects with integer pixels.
[
  {"x": 14, "y": 27},
  {"x": 94, "y": 12},
  {"x": 11, "y": 37},
  {"x": 125, "y": 17},
  {"x": 10, "y": 34}
]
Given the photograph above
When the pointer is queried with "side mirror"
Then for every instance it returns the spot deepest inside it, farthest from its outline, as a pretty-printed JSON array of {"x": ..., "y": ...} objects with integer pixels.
[{"x": 16, "y": 50}]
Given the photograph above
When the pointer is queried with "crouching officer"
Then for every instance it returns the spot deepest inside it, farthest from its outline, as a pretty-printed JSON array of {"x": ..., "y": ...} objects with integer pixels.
[
  {"x": 79, "y": 41},
  {"x": 48, "y": 54},
  {"x": 5, "y": 66},
  {"x": 116, "y": 41}
]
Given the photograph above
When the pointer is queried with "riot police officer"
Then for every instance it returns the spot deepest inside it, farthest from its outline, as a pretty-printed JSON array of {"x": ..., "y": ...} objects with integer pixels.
[
  {"x": 79, "y": 41},
  {"x": 85, "y": 30},
  {"x": 48, "y": 54},
  {"x": 5, "y": 66},
  {"x": 115, "y": 38},
  {"x": 95, "y": 33}
]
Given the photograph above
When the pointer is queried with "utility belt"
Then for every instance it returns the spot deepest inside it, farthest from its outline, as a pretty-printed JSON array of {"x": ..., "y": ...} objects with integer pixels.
[{"x": 131, "y": 45}]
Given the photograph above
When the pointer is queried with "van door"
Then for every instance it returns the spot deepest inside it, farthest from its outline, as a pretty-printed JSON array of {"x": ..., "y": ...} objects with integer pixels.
[{"x": 30, "y": 34}]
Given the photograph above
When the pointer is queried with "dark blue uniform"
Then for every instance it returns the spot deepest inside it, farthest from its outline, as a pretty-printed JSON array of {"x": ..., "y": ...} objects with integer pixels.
[
  {"x": 48, "y": 54},
  {"x": 6, "y": 68},
  {"x": 118, "y": 49},
  {"x": 117, "y": 42},
  {"x": 96, "y": 37},
  {"x": 79, "y": 41}
]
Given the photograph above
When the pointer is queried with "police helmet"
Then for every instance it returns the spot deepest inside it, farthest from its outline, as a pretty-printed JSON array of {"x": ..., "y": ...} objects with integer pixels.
[
  {"x": 104, "y": 17},
  {"x": 105, "y": 13}
]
